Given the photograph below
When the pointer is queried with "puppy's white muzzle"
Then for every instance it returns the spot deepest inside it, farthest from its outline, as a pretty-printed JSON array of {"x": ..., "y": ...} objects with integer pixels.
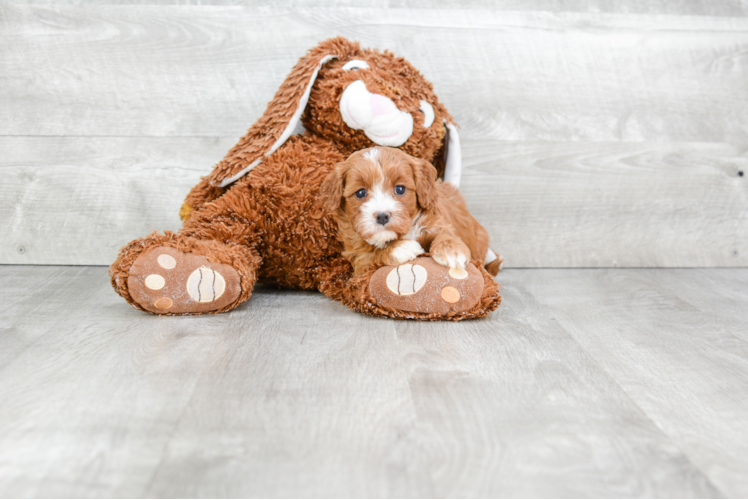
[{"x": 376, "y": 115}]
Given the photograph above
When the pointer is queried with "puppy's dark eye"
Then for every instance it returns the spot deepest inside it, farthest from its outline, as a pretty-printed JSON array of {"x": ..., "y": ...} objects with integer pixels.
[
  {"x": 399, "y": 189},
  {"x": 361, "y": 193}
]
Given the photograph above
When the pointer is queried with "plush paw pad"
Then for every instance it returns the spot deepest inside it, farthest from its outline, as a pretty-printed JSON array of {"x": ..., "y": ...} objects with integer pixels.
[
  {"x": 205, "y": 285},
  {"x": 406, "y": 279},
  {"x": 164, "y": 280},
  {"x": 425, "y": 286}
]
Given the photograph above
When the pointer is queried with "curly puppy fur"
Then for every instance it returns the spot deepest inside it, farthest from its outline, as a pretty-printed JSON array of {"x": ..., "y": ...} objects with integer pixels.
[
  {"x": 386, "y": 201},
  {"x": 270, "y": 224}
]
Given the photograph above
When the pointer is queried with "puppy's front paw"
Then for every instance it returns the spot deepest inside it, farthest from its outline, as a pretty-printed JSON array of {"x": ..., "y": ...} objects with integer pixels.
[
  {"x": 406, "y": 251},
  {"x": 452, "y": 254}
]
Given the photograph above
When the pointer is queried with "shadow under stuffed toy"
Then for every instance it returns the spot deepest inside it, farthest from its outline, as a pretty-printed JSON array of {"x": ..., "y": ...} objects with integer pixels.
[{"x": 259, "y": 215}]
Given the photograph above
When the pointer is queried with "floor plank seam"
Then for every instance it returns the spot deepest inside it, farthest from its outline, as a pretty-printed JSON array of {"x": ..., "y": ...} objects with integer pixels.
[
  {"x": 669, "y": 437},
  {"x": 43, "y": 335},
  {"x": 172, "y": 434}
]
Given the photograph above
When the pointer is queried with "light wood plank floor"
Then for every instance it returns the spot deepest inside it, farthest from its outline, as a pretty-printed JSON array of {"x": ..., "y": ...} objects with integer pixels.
[{"x": 586, "y": 382}]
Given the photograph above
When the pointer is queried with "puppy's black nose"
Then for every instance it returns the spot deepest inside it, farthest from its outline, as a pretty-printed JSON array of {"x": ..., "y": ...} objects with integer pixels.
[{"x": 383, "y": 218}]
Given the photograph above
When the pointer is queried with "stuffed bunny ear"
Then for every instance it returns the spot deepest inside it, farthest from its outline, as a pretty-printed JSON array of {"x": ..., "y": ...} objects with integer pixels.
[
  {"x": 281, "y": 118},
  {"x": 452, "y": 155}
]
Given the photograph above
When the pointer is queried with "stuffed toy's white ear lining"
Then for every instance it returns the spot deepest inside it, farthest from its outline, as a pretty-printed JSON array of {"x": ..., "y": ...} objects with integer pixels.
[
  {"x": 453, "y": 165},
  {"x": 292, "y": 126},
  {"x": 428, "y": 113},
  {"x": 240, "y": 174},
  {"x": 296, "y": 118}
]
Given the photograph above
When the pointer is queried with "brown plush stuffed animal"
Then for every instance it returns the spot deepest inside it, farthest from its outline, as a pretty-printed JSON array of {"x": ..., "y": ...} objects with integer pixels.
[{"x": 258, "y": 214}]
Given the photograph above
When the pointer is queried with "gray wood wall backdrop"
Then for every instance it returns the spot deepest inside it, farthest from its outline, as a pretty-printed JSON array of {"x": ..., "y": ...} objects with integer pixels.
[{"x": 594, "y": 133}]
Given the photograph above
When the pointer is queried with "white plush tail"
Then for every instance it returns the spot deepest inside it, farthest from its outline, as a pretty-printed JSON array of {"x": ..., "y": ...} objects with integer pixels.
[{"x": 493, "y": 262}]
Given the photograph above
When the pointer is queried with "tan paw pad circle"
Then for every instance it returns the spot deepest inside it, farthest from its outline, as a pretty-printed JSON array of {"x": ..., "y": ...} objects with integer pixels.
[
  {"x": 450, "y": 294},
  {"x": 155, "y": 281},
  {"x": 163, "y": 303},
  {"x": 205, "y": 285},
  {"x": 406, "y": 279},
  {"x": 458, "y": 274},
  {"x": 166, "y": 261}
]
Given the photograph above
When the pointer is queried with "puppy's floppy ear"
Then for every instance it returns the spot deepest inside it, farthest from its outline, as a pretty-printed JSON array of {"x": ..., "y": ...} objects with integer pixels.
[
  {"x": 425, "y": 177},
  {"x": 331, "y": 190}
]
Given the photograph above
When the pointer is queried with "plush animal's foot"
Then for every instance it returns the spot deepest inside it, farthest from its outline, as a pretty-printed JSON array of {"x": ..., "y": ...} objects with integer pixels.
[
  {"x": 164, "y": 280},
  {"x": 425, "y": 287}
]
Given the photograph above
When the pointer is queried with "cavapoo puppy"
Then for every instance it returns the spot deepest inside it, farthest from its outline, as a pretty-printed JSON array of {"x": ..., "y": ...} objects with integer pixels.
[{"x": 390, "y": 208}]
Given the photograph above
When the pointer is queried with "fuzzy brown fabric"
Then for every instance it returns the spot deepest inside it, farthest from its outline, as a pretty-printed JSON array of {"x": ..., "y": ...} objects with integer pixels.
[
  {"x": 166, "y": 280},
  {"x": 270, "y": 224},
  {"x": 389, "y": 75},
  {"x": 242, "y": 259},
  {"x": 424, "y": 286},
  {"x": 354, "y": 293}
]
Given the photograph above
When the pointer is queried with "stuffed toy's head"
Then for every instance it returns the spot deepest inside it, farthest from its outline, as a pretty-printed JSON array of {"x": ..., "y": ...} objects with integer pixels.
[
  {"x": 364, "y": 98},
  {"x": 380, "y": 192},
  {"x": 356, "y": 98}
]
